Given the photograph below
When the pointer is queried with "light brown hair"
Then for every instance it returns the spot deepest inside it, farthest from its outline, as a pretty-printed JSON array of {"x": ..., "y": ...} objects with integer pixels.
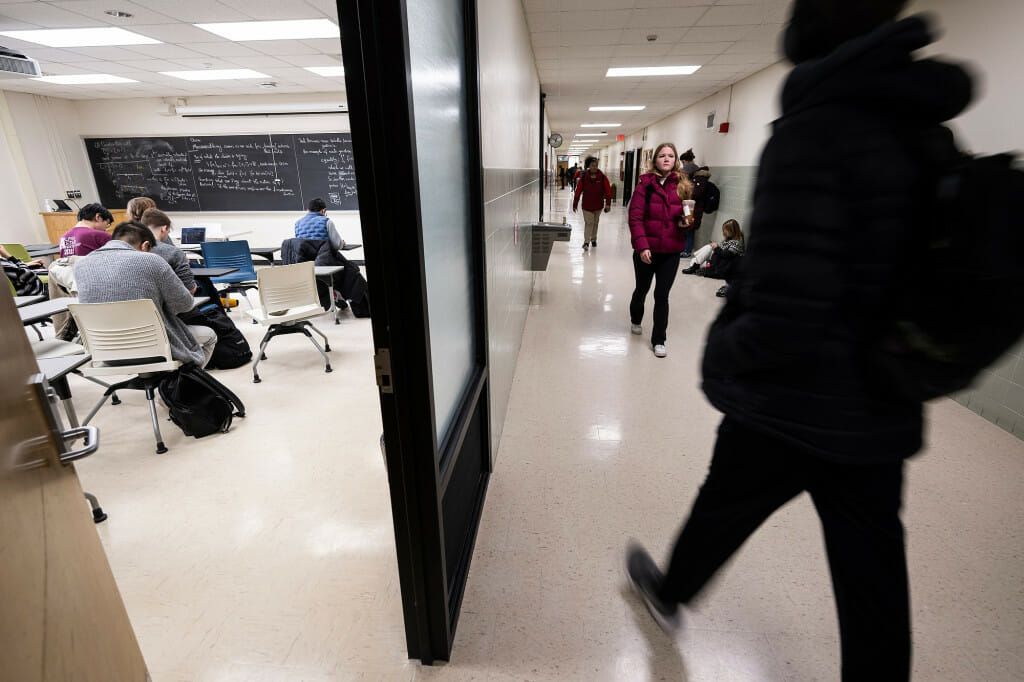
[
  {"x": 731, "y": 230},
  {"x": 154, "y": 217},
  {"x": 137, "y": 206}
]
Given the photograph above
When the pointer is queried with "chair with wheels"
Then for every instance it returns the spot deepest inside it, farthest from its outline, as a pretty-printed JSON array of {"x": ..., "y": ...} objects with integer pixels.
[
  {"x": 126, "y": 338},
  {"x": 231, "y": 255},
  {"x": 288, "y": 300}
]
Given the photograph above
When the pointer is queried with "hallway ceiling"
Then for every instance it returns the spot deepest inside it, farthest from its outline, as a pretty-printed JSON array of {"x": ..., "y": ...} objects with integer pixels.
[{"x": 575, "y": 42}]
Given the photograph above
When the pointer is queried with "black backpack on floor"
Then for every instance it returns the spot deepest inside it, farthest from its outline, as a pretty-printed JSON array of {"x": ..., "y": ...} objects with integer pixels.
[
  {"x": 198, "y": 403},
  {"x": 232, "y": 350},
  {"x": 958, "y": 306}
]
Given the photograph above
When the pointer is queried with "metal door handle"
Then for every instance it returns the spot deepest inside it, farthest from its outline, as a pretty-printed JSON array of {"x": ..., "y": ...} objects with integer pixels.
[{"x": 92, "y": 442}]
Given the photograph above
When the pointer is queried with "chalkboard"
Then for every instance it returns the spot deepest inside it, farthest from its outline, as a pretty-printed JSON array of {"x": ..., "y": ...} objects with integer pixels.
[{"x": 226, "y": 172}]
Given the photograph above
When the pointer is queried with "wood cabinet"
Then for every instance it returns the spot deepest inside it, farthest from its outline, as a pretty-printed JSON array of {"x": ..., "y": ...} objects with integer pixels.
[{"x": 59, "y": 223}]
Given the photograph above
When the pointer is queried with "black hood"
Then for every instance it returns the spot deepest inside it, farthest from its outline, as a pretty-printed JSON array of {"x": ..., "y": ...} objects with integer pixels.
[{"x": 877, "y": 71}]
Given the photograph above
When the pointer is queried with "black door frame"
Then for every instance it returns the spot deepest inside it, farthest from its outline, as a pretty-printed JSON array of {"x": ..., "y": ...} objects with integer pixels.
[{"x": 434, "y": 487}]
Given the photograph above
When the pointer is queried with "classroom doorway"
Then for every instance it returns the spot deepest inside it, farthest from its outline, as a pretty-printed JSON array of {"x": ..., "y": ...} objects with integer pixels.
[{"x": 414, "y": 114}]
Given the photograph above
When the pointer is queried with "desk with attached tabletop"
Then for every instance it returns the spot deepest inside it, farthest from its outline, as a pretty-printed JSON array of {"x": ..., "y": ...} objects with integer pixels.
[
  {"x": 212, "y": 272},
  {"x": 326, "y": 273},
  {"x": 22, "y": 301},
  {"x": 40, "y": 247},
  {"x": 37, "y": 312},
  {"x": 39, "y": 253},
  {"x": 266, "y": 252},
  {"x": 56, "y": 371}
]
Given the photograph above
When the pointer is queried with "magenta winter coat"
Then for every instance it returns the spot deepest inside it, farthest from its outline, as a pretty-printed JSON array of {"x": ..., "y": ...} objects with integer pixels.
[{"x": 654, "y": 225}]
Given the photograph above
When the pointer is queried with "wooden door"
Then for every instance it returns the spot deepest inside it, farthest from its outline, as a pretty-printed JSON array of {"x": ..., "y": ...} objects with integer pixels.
[{"x": 62, "y": 617}]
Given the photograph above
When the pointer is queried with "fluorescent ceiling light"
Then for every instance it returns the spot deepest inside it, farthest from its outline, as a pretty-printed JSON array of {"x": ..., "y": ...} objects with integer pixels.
[
  {"x": 585, "y": 135},
  {"x": 650, "y": 71},
  {"x": 84, "y": 79},
  {"x": 295, "y": 29},
  {"x": 81, "y": 37},
  {"x": 617, "y": 108},
  {"x": 326, "y": 71},
  {"x": 215, "y": 74},
  {"x": 600, "y": 125}
]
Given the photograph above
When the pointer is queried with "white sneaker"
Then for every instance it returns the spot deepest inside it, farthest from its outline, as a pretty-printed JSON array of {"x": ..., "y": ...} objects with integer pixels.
[
  {"x": 636, "y": 329},
  {"x": 660, "y": 351}
]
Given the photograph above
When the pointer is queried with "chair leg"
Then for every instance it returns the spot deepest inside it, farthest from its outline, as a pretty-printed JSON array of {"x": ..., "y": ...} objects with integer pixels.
[
  {"x": 310, "y": 337},
  {"x": 96, "y": 408},
  {"x": 114, "y": 400},
  {"x": 98, "y": 515},
  {"x": 259, "y": 357},
  {"x": 38, "y": 333},
  {"x": 160, "y": 447},
  {"x": 327, "y": 345}
]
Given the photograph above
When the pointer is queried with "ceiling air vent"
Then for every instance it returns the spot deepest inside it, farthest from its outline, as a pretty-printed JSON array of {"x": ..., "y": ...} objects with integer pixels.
[{"x": 17, "y": 65}]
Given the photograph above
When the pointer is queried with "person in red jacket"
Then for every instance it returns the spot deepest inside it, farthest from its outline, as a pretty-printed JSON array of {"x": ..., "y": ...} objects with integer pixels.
[
  {"x": 657, "y": 226},
  {"x": 596, "y": 191}
]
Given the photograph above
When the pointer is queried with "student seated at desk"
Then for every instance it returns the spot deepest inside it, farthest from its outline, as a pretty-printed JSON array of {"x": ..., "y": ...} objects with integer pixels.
[
  {"x": 160, "y": 225},
  {"x": 125, "y": 270},
  {"x": 316, "y": 225},
  {"x": 25, "y": 281},
  {"x": 137, "y": 207},
  {"x": 89, "y": 234}
]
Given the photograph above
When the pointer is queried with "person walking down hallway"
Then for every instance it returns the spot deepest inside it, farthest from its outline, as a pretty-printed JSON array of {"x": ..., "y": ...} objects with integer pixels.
[
  {"x": 596, "y": 191},
  {"x": 788, "y": 358},
  {"x": 657, "y": 229}
]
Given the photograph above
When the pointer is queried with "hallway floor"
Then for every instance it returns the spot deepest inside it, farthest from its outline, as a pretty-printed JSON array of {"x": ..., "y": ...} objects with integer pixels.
[{"x": 267, "y": 554}]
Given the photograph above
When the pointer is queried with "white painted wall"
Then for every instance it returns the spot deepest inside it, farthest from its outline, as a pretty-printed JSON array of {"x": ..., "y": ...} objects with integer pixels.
[
  {"x": 21, "y": 223},
  {"x": 50, "y": 131}
]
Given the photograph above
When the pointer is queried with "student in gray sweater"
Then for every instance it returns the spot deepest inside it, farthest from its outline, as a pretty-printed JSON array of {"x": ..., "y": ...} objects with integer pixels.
[
  {"x": 125, "y": 270},
  {"x": 159, "y": 223}
]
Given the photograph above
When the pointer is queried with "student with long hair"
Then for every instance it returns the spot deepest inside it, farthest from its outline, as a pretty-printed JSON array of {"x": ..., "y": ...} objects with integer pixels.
[
  {"x": 658, "y": 226},
  {"x": 732, "y": 245}
]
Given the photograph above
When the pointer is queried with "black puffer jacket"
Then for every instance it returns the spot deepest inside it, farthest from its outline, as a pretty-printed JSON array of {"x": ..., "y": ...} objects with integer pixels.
[{"x": 833, "y": 208}]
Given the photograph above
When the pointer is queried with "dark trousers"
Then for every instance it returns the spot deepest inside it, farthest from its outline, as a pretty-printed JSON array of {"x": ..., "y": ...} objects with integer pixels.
[
  {"x": 664, "y": 267},
  {"x": 753, "y": 474},
  {"x": 689, "y": 241}
]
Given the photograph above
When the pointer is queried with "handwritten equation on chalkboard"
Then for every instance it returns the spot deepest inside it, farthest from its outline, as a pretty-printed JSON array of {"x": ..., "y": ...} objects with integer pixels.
[{"x": 226, "y": 172}]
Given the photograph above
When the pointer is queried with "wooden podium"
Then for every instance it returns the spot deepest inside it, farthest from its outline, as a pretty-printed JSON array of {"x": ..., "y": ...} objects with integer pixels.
[{"x": 57, "y": 223}]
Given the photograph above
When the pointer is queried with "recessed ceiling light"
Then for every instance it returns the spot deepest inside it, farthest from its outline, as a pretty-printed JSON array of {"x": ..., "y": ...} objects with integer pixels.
[
  {"x": 617, "y": 108},
  {"x": 650, "y": 71},
  {"x": 295, "y": 29},
  {"x": 327, "y": 71},
  {"x": 81, "y": 37},
  {"x": 600, "y": 125},
  {"x": 84, "y": 79},
  {"x": 215, "y": 74},
  {"x": 120, "y": 14},
  {"x": 583, "y": 135}
]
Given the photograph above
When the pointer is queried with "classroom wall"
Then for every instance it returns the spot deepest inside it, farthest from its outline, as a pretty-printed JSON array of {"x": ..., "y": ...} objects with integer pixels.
[
  {"x": 50, "y": 132},
  {"x": 20, "y": 223},
  {"x": 510, "y": 121}
]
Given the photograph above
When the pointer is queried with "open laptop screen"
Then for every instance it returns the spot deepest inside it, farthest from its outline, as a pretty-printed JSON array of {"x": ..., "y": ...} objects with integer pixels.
[{"x": 193, "y": 235}]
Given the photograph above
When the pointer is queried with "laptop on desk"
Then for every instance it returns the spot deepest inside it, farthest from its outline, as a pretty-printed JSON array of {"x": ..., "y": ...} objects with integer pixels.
[{"x": 193, "y": 235}]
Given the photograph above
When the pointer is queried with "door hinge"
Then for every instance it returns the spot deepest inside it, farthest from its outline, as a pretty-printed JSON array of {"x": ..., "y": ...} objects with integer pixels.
[{"x": 382, "y": 363}]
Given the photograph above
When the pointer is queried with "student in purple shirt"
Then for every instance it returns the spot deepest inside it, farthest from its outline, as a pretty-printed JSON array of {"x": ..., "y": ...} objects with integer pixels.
[{"x": 90, "y": 232}]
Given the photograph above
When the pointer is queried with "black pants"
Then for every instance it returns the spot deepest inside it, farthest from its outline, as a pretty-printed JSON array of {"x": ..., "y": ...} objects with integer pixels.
[
  {"x": 664, "y": 267},
  {"x": 752, "y": 475}
]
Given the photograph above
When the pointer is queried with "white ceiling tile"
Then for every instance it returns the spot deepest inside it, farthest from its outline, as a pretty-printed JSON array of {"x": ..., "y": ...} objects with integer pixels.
[
  {"x": 716, "y": 34},
  {"x": 8, "y": 24},
  {"x": 275, "y": 10},
  {"x": 106, "y": 53},
  {"x": 45, "y": 15},
  {"x": 195, "y": 11},
  {"x": 224, "y": 48},
  {"x": 329, "y": 8},
  {"x": 691, "y": 48},
  {"x": 264, "y": 63},
  {"x": 323, "y": 45},
  {"x": 94, "y": 9},
  {"x": 164, "y": 51},
  {"x": 665, "y": 18},
  {"x": 276, "y": 47},
  {"x": 176, "y": 33},
  {"x": 746, "y": 58},
  {"x": 151, "y": 65},
  {"x": 733, "y": 15},
  {"x": 647, "y": 50},
  {"x": 303, "y": 60}
]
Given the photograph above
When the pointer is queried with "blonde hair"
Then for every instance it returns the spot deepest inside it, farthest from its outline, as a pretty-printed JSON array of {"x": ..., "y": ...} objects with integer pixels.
[
  {"x": 137, "y": 206},
  {"x": 684, "y": 189}
]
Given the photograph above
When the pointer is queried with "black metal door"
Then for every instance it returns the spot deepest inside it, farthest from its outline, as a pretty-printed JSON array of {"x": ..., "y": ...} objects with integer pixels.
[{"x": 420, "y": 187}]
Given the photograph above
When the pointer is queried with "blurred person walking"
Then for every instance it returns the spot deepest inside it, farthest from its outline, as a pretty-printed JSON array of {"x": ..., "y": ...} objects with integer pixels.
[
  {"x": 596, "y": 191},
  {"x": 786, "y": 360}
]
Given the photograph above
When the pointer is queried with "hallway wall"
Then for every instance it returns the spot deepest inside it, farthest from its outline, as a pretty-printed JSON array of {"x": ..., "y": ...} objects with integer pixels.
[
  {"x": 510, "y": 124},
  {"x": 987, "y": 41}
]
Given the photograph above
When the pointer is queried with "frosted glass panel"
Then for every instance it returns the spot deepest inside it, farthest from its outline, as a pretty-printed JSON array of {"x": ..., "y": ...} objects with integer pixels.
[{"x": 438, "y": 82}]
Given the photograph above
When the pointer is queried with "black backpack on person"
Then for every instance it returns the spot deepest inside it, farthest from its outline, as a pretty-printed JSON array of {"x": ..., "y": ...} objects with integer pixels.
[
  {"x": 958, "y": 306},
  {"x": 199, "y": 404},
  {"x": 712, "y": 197}
]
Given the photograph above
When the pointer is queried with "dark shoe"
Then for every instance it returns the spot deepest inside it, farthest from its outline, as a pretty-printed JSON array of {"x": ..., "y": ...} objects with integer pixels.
[
  {"x": 722, "y": 291},
  {"x": 691, "y": 270},
  {"x": 686, "y": 254},
  {"x": 645, "y": 579},
  {"x": 586, "y": 245},
  {"x": 593, "y": 243}
]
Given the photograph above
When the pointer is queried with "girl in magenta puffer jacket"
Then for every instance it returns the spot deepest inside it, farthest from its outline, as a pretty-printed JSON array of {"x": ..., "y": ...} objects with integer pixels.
[{"x": 658, "y": 227}]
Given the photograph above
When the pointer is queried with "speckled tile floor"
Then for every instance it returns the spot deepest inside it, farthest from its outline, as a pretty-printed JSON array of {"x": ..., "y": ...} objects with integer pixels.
[{"x": 267, "y": 553}]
